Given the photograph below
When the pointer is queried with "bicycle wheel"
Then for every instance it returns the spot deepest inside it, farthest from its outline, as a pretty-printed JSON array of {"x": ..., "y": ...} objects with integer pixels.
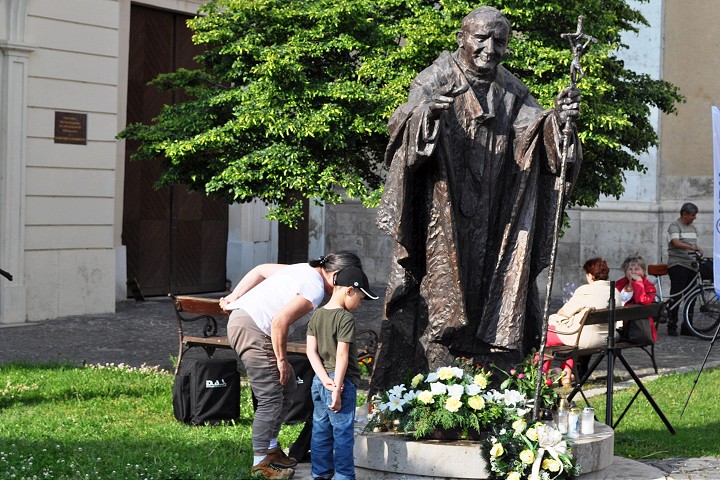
[{"x": 702, "y": 313}]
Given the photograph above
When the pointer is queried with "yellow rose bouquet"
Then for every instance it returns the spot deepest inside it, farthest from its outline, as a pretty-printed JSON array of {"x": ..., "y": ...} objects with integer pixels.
[{"x": 535, "y": 452}]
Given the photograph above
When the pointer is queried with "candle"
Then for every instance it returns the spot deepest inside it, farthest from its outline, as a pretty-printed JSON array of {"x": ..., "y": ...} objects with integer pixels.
[
  {"x": 562, "y": 421},
  {"x": 588, "y": 421},
  {"x": 574, "y": 423}
]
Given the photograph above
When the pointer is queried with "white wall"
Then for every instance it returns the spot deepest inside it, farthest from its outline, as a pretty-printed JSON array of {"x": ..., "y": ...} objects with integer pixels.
[
  {"x": 70, "y": 192},
  {"x": 644, "y": 55},
  {"x": 14, "y": 57},
  {"x": 252, "y": 239}
]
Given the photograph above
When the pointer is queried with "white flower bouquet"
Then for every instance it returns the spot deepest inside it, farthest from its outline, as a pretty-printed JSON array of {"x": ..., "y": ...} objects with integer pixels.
[
  {"x": 535, "y": 453},
  {"x": 448, "y": 399}
]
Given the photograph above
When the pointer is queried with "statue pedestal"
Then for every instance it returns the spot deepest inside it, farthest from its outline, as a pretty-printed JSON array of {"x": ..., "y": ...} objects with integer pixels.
[{"x": 393, "y": 456}]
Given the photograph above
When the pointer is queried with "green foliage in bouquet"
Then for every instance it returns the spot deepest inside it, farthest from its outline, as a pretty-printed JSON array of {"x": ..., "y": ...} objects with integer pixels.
[
  {"x": 524, "y": 377},
  {"x": 458, "y": 398},
  {"x": 451, "y": 398},
  {"x": 366, "y": 366}
]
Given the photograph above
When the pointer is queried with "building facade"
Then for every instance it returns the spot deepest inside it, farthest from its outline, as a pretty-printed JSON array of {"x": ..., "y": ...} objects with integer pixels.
[
  {"x": 68, "y": 77},
  {"x": 67, "y": 74}
]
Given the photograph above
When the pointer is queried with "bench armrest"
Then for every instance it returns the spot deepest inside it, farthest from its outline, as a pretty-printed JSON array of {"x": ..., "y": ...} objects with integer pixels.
[{"x": 193, "y": 309}]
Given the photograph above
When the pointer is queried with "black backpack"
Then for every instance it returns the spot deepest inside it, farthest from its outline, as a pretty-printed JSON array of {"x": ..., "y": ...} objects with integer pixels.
[{"x": 207, "y": 391}]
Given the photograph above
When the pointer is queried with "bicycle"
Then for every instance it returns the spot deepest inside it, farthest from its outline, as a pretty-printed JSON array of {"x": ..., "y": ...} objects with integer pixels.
[{"x": 700, "y": 304}]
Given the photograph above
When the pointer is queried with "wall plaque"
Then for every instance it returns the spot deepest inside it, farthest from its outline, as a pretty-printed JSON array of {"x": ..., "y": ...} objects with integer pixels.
[{"x": 71, "y": 127}]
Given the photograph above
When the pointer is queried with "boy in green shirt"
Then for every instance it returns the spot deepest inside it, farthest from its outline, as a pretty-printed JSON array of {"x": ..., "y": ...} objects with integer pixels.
[{"x": 330, "y": 348}]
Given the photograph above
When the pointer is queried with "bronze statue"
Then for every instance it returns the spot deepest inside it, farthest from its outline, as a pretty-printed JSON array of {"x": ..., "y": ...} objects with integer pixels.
[{"x": 469, "y": 200}]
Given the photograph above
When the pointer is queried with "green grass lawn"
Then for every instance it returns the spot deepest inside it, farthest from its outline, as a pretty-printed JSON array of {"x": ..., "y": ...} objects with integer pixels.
[
  {"x": 60, "y": 422},
  {"x": 63, "y": 422},
  {"x": 641, "y": 434}
]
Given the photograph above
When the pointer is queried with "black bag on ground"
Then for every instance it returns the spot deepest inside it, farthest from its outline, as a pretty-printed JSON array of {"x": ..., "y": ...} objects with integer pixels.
[
  {"x": 207, "y": 391},
  {"x": 302, "y": 406}
]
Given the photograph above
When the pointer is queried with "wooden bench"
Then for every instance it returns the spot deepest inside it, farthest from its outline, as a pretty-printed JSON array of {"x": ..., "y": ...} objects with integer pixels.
[
  {"x": 602, "y": 316},
  {"x": 612, "y": 351},
  {"x": 206, "y": 312}
]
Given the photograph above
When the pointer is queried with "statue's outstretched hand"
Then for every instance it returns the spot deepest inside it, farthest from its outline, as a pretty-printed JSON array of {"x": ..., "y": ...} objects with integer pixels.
[
  {"x": 444, "y": 97},
  {"x": 567, "y": 103}
]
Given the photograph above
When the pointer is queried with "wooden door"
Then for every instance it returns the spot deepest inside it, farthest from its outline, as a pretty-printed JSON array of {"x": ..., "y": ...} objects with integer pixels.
[
  {"x": 293, "y": 242},
  {"x": 176, "y": 241}
]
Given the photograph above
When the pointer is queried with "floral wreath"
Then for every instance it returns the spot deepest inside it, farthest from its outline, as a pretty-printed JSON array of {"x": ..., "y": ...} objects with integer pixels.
[
  {"x": 459, "y": 398},
  {"x": 535, "y": 453}
]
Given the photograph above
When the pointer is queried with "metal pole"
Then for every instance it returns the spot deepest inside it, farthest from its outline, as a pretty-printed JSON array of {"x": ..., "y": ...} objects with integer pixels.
[
  {"x": 701, "y": 369},
  {"x": 610, "y": 358},
  {"x": 578, "y": 43}
]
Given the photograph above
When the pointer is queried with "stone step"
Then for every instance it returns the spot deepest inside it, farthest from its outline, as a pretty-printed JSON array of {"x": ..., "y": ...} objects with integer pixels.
[
  {"x": 621, "y": 469},
  {"x": 389, "y": 456}
]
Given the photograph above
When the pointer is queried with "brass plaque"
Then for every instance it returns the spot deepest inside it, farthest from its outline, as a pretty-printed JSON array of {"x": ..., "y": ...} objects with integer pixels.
[{"x": 71, "y": 128}]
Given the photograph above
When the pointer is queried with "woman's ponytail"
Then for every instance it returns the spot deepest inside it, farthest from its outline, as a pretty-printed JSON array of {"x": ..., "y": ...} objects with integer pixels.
[{"x": 334, "y": 262}]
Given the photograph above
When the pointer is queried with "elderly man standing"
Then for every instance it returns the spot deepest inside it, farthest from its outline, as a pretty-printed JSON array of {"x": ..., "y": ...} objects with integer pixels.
[
  {"x": 469, "y": 200},
  {"x": 682, "y": 259}
]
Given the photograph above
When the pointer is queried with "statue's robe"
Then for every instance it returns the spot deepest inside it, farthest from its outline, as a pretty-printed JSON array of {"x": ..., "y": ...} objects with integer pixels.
[{"x": 470, "y": 200}]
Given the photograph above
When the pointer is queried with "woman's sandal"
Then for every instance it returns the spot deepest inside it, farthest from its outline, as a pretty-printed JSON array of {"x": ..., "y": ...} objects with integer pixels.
[{"x": 567, "y": 380}]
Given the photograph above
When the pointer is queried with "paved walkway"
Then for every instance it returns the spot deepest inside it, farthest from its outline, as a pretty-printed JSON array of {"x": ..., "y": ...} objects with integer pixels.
[{"x": 146, "y": 333}]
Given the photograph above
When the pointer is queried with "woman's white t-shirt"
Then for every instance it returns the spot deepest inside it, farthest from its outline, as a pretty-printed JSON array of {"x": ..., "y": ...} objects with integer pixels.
[{"x": 268, "y": 297}]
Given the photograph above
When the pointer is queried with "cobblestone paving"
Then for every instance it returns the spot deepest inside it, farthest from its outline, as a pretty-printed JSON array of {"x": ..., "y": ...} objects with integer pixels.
[
  {"x": 705, "y": 468},
  {"x": 146, "y": 333}
]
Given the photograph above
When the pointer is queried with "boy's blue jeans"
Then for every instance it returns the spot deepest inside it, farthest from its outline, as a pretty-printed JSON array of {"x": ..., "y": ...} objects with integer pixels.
[{"x": 333, "y": 433}]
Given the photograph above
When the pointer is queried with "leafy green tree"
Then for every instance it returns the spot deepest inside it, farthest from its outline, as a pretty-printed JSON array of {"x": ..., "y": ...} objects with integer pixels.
[{"x": 292, "y": 98}]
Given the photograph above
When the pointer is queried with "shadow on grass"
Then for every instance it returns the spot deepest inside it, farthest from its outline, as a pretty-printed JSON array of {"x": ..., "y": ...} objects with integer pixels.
[
  {"x": 37, "y": 366},
  {"x": 207, "y": 453},
  {"x": 641, "y": 433}
]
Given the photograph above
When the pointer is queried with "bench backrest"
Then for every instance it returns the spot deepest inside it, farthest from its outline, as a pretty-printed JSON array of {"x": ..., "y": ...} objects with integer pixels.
[
  {"x": 629, "y": 312},
  {"x": 199, "y": 306}
]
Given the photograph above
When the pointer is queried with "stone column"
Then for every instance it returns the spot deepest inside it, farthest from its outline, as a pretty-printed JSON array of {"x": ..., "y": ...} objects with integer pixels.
[{"x": 13, "y": 133}]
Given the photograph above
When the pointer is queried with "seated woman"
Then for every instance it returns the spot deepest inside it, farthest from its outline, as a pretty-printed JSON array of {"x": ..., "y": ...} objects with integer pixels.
[
  {"x": 565, "y": 324},
  {"x": 636, "y": 289}
]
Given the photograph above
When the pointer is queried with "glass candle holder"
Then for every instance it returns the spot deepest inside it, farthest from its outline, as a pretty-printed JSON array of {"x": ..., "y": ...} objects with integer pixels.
[
  {"x": 562, "y": 421},
  {"x": 587, "y": 426},
  {"x": 574, "y": 423}
]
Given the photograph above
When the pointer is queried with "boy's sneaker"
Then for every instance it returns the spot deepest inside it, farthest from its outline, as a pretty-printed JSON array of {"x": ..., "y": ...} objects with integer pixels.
[
  {"x": 264, "y": 470},
  {"x": 277, "y": 458}
]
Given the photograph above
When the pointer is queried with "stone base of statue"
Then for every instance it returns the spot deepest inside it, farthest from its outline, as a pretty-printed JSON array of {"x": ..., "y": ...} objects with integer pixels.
[
  {"x": 392, "y": 456},
  {"x": 397, "y": 456}
]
